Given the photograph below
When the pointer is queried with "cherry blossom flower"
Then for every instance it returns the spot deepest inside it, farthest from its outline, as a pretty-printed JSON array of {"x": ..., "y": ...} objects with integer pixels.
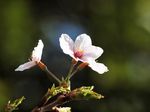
[
  {"x": 35, "y": 57},
  {"x": 62, "y": 109},
  {"x": 82, "y": 50}
]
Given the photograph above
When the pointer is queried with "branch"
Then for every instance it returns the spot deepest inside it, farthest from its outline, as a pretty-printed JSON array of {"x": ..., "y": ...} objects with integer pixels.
[{"x": 82, "y": 93}]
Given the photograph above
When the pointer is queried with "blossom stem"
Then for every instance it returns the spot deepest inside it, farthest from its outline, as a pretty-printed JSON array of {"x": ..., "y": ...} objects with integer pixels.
[
  {"x": 73, "y": 63},
  {"x": 74, "y": 72},
  {"x": 49, "y": 73},
  {"x": 80, "y": 67}
]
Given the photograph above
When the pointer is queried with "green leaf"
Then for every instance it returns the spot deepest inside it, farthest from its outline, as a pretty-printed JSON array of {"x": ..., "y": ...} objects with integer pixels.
[
  {"x": 85, "y": 92},
  {"x": 53, "y": 91},
  {"x": 13, "y": 105}
]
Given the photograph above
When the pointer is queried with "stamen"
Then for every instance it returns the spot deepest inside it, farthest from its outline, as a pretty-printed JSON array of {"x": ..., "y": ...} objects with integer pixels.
[{"x": 78, "y": 54}]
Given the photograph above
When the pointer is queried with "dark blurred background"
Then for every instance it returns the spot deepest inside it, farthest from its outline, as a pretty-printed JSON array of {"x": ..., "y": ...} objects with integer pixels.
[{"x": 120, "y": 27}]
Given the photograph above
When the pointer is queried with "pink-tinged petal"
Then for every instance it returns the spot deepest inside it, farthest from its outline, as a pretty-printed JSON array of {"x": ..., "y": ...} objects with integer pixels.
[
  {"x": 98, "y": 67},
  {"x": 92, "y": 52},
  {"x": 37, "y": 52},
  {"x": 26, "y": 66},
  {"x": 66, "y": 44},
  {"x": 86, "y": 59},
  {"x": 82, "y": 42}
]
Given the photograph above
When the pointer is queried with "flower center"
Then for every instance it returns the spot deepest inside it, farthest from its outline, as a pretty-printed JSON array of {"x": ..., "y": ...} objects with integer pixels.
[{"x": 78, "y": 54}]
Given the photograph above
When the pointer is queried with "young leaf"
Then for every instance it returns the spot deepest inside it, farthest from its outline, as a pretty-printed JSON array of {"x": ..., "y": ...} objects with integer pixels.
[{"x": 13, "y": 105}]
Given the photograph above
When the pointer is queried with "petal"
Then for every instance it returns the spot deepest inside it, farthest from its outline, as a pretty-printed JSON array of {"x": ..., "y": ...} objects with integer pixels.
[
  {"x": 92, "y": 52},
  {"x": 37, "y": 52},
  {"x": 63, "y": 109},
  {"x": 82, "y": 42},
  {"x": 66, "y": 44},
  {"x": 26, "y": 66},
  {"x": 98, "y": 67}
]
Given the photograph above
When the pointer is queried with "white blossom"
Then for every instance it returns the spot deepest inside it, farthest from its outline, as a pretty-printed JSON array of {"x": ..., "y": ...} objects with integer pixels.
[
  {"x": 63, "y": 109},
  {"x": 83, "y": 50},
  {"x": 35, "y": 57}
]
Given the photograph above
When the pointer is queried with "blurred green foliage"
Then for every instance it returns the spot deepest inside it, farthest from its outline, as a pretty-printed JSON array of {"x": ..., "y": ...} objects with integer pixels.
[
  {"x": 4, "y": 93},
  {"x": 120, "y": 27}
]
